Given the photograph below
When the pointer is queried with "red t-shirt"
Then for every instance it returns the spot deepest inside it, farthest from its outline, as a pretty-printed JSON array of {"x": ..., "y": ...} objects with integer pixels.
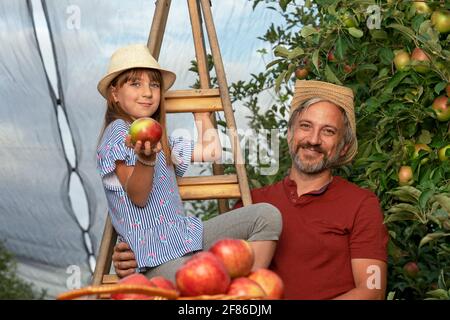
[{"x": 322, "y": 232}]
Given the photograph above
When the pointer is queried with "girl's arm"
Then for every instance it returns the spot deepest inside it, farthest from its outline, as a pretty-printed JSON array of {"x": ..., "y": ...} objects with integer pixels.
[
  {"x": 137, "y": 180},
  {"x": 208, "y": 147}
]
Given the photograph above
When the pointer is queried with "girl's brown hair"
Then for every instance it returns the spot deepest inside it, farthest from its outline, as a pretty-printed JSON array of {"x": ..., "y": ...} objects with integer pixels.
[{"x": 115, "y": 112}]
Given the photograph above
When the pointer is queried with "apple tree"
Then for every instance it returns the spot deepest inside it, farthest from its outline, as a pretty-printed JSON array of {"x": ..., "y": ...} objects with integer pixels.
[{"x": 395, "y": 56}]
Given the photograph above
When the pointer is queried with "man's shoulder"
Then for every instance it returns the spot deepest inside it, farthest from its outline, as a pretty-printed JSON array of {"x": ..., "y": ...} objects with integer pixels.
[
  {"x": 266, "y": 192},
  {"x": 352, "y": 189}
]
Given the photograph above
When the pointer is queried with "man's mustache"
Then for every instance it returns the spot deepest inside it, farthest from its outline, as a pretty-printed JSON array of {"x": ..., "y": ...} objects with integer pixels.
[{"x": 316, "y": 148}]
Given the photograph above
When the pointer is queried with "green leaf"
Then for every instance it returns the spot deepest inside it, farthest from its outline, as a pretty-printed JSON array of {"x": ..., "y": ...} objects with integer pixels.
[
  {"x": 439, "y": 294},
  {"x": 274, "y": 62},
  {"x": 444, "y": 201},
  {"x": 407, "y": 193},
  {"x": 315, "y": 59},
  {"x": 425, "y": 137},
  {"x": 307, "y": 31},
  {"x": 378, "y": 34},
  {"x": 341, "y": 47},
  {"x": 394, "y": 82},
  {"x": 400, "y": 216},
  {"x": 439, "y": 87},
  {"x": 424, "y": 197},
  {"x": 295, "y": 53},
  {"x": 281, "y": 52},
  {"x": 404, "y": 207},
  {"x": 279, "y": 80},
  {"x": 330, "y": 76},
  {"x": 431, "y": 237},
  {"x": 356, "y": 33},
  {"x": 386, "y": 56},
  {"x": 405, "y": 30}
]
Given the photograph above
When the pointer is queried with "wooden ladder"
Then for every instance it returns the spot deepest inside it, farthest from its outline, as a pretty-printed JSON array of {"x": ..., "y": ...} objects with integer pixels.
[{"x": 205, "y": 99}]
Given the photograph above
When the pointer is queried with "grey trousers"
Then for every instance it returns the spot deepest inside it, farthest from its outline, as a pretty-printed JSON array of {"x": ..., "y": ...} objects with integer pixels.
[{"x": 260, "y": 221}]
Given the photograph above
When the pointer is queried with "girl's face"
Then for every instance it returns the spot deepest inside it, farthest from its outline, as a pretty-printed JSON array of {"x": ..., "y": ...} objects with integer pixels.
[{"x": 138, "y": 97}]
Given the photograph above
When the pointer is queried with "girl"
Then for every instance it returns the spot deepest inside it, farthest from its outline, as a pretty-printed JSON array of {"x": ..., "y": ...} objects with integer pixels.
[{"x": 140, "y": 182}]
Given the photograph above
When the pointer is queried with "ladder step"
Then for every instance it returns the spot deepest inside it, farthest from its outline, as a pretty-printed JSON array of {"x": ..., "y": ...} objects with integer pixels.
[
  {"x": 209, "y": 187},
  {"x": 110, "y": 279},
  {"x": 203, "y": 180},
  {"x": 196, "y": 100}
]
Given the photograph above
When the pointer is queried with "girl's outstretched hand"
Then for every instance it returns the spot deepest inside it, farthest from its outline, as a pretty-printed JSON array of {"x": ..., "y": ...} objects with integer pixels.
[{"x": 144, "y": 150}]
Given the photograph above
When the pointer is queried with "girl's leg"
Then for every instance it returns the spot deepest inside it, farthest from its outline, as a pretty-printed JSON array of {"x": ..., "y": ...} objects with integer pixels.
[{"x": 260, "y": 224}]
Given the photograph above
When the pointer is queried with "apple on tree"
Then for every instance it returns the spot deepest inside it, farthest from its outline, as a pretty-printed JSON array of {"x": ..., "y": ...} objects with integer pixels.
[
  {"x": 421, "y": 147},
  {"x": 421, "y": 7},
  {"x": 441, "y": 107},
  {"x": 405, "y": 176},
  {"x": 443, "y": 154},
  {"x": 145, "y": 129},
  {"x": 402, "y": 60},
  {"x": 420, "y": 60},
  {"x": 411, "y": 269},
  {"x": 440, "y": 20}
]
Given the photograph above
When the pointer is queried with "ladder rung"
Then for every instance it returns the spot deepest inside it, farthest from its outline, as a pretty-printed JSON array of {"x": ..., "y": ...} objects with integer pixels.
[
  {"x": 215, "y": 191},
  {"x": 207, "y": 180},
  {"x": 196, "y": 100},
  {"x": 209, "y": 187},
  {"x": 110, "y": 279}
]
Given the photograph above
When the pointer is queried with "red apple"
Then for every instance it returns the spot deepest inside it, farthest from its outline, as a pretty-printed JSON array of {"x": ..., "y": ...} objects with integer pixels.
[
  {"x": 145, "y": 129},
  {"x": 270, "y": 282},
  {"x": 203, "y": 274},
  {"x": 440, "y": 20},
  {"x": 331, "y": 56},
  {"x": 135, "y": 278},
  {"x": 402, "y": 60},
  {"x": 421, "y": 61},
  {"x": 405, "y": 176},
  {"x": 411, "y": 269},
  {"x": 245, "y": 287},
  {"x": 301, "y": 73},
  {"x": 161, "y": 282},
  {"x": 441, "y": 107},
  {"x": 349, "y": 68},
  {"x": 236, "y": 254}
]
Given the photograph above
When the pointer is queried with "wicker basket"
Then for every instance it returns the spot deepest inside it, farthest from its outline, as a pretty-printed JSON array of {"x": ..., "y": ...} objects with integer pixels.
[{"x": 152, "y": 292}]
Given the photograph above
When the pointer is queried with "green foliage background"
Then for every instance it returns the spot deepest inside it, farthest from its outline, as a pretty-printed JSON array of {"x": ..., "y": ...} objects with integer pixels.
[
  {"x": 12, "y": 287},
  {"x": 393, "y": 115}
]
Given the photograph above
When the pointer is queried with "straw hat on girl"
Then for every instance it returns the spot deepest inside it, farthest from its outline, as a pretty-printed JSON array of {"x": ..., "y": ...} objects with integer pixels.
[{"x": 129, "y": 57}]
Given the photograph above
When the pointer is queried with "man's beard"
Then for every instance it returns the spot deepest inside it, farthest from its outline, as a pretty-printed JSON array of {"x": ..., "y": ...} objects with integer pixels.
[{"x": 317, "y": 166}]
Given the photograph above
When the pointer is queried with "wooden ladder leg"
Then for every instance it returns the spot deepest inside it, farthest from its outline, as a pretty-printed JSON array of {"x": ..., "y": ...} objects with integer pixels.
[
  {"x": 104, "y": 259},
  {"x": 205, "y": 81},
  {"x": 158, "y": 27},
  {"x": 226, "y": 102}
]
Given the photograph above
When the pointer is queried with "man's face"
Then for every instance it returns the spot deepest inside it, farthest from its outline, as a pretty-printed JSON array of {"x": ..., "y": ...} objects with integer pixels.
[{"x": 316, "y": 138}]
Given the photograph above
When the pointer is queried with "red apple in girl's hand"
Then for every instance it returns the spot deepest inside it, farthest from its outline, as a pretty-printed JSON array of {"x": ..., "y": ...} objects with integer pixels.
[
  {"x": 236, "y": 254},
  {"x": 145, "y": 129}
]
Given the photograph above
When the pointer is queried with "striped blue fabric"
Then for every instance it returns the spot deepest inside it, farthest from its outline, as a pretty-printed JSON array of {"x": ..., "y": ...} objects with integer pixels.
[{"x": 160, "y": 231}]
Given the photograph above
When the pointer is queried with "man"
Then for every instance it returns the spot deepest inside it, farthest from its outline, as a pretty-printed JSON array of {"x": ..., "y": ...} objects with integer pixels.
[{"x": 333, "y": 243}]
